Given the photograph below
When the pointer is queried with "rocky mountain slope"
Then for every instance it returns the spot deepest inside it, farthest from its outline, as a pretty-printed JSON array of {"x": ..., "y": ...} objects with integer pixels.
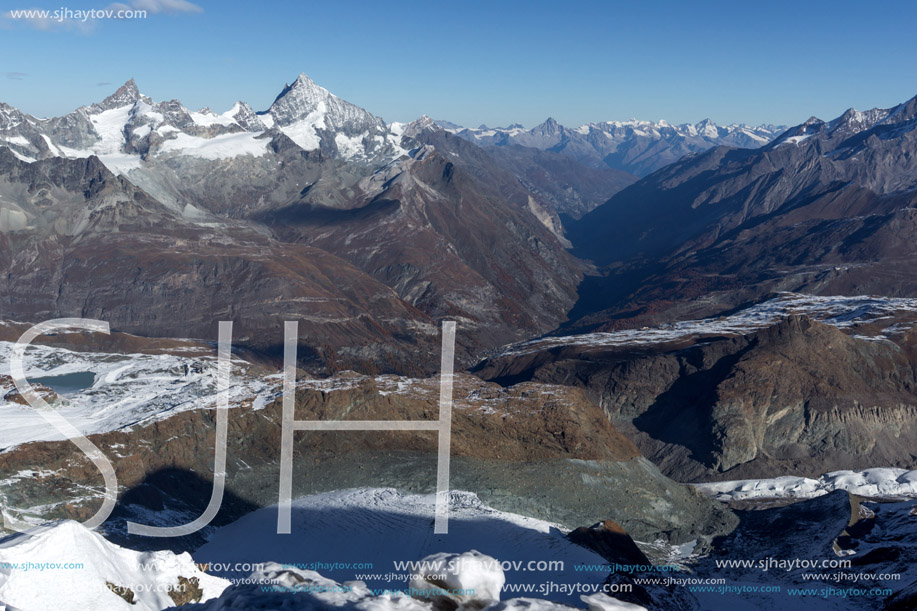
[
  {"x": 570, "y": 187},
  {"x": 271, "y": 206},
  {"x": 96, "y": 246},
  {"x": 452, "y": 235},
  {"x": 817, "y": 538},
  {"x": 827, "y": 208},
  {"x": 757, "y": 394}
]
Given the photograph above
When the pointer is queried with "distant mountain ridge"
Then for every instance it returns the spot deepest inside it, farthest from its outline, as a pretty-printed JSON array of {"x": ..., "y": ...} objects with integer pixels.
[
  {"x": 637, "y": 147},
  {"x": 128, "y": 127}
]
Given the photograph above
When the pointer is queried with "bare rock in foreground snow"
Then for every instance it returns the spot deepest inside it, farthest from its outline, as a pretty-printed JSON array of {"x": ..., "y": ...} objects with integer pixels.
[{"x": 459, "y": 581}]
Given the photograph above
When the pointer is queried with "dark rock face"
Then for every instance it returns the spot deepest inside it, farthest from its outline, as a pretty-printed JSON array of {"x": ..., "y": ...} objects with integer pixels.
[
  {"x": 610, "y": 541},
  {"x": 904, "y": 600},
  {"x": 800, "y": 397},
  {"x": 809, "y": 531}
]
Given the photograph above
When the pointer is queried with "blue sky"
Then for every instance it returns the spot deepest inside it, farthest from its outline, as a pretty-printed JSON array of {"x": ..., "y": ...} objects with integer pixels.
[{"x": 474, "y": 62}]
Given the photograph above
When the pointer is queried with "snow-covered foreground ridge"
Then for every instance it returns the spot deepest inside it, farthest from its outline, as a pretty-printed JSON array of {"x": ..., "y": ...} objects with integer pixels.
[
  {"x": 839, "y": 311},
  {"x": 66, "y": 566},
  {"x": 277, "y": 585},
  {"x": 877, "y": 483}
]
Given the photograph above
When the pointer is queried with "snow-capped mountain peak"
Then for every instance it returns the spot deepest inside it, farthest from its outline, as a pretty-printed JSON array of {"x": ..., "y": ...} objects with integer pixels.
[
  {"x": 414, "y": 128},
  {"x": 837, "y": 135},
  {"x": 314, "y": 118},
  {"x": 9, "y": 117},
  {"x": 549, "y": 128},
  {"x": 126, "y": 130},
  {"x": 708, "y": 129},
  {"x": 305, "y": 99},
  {"x": 245, "y": 116},
  {"x": 126, "y": 95}
]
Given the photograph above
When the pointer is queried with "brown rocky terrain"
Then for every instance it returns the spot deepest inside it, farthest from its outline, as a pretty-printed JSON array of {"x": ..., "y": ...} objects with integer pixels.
[
  {"x": 114, "y": 342},
  {"x": 12, "y": 395}
]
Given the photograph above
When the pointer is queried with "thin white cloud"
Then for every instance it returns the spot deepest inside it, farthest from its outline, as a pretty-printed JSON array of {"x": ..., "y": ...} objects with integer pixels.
[
  {"x": 15, "y": 76},
  {"x": 154, "y": 7}
]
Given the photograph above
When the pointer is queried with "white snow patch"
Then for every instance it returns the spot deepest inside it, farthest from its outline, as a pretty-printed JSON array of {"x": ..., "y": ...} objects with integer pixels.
[
  {"x": 839, "y": 311},
  {"x": 468, "y": 572},
  {"x": 349, "y": 147},
  {"x": 121, "y": 163},
  {"x": 225, "y": 146},
  {"x": 303, "y": 133},
  {"x": 207, "y": 119},
  {"x": 603, "y": 602},
  {"x": 54, "y": 148},
  {"x": 21, "y": 157},
  {"x": 795, "y": 139},
  {"x": 878, "y": 482},
  {"x": 21, "y": 141},
  {"x": 109, "y": 125},
  {"x": 267, "y": 119},
  {"x": 128, "y": 390}
]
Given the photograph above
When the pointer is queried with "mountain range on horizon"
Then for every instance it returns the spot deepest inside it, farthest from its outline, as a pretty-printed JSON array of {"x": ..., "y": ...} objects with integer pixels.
[
  {"x": 304, "y": 111},
  {"x": 636, "y": 147}
]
